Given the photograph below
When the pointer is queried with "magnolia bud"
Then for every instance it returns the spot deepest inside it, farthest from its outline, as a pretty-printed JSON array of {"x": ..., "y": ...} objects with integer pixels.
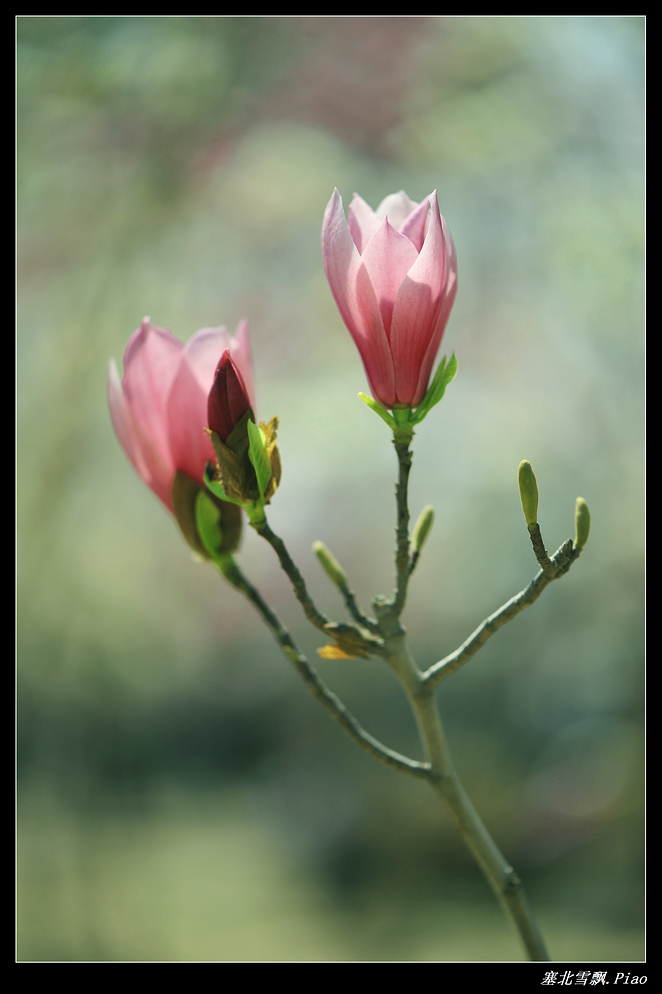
[
  {"x": 422, "y": 528},
  {"x": 330, "y": 565},
  {"x": 582, "y": 523},
  {"x": 228, "y": 398},
  {"x": 528, "y": 492}
]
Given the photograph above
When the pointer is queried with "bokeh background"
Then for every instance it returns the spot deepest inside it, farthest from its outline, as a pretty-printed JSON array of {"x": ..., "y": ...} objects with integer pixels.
[{"x": 181, "y": 796}]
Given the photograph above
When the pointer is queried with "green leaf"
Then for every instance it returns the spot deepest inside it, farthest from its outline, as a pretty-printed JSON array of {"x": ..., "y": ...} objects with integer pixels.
[
  {"x": 257, "y": 451},
  {"x": 445, "y": 374}
]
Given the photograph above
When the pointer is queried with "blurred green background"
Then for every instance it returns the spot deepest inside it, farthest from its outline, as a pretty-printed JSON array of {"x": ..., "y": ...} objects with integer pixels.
[{"x": 181, "y": 796}]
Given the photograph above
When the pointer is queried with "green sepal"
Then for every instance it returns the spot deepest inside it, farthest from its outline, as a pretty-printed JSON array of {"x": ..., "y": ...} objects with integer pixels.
[
  {"x": 259, "y": 457},
  {"x": 235, "y": 470},
  {"x": 210, "y": 525},
  {"x": 402, "y": 420},
  {"x": 208, "y": 520},
  {"x": 183, "y": 494},
  {"x": 445, "y": 374},
  {"x": 215, "y": 485},
  {"x": 378, "y": 409}
]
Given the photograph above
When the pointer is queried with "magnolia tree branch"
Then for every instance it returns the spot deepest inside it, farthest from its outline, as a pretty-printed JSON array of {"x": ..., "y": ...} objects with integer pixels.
[
  {"x": 316, "y": 617},
  {"x": 316, "y": 685},
  {"x": 557, "y": 567},
  {"x": 385, "y": 637},
  {"x": 338, "y": 577},
  {"x": 351, "y": 639},
  {"x": 420, "y": 690},
  {"x": 501, "y": 877},
  {"x": 355, "y": 611}
]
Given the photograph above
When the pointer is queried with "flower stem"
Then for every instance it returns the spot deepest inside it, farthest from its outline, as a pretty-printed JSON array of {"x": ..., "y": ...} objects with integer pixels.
[
  {"x": 389, "y": 610},
  {"x": 402, "y": 531}
]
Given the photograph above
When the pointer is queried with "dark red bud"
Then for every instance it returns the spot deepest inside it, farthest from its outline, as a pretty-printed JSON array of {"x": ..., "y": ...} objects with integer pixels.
[{"x": 228, "y": 400}]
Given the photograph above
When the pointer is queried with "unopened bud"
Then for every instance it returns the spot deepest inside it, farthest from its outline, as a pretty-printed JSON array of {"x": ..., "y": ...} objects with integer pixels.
[
  {"x": 330, "y": 565},
  {"x": 228, "y": 399},
  {"x": 528, "y": 492},
  {"x": 422, "y": 528},
  {"x": 582, "y": 523}
]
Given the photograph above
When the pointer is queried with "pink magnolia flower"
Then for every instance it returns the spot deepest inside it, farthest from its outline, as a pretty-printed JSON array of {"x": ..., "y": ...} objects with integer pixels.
[
  {"x": 159, "y": 408},
  {"x": 393, "y": 275}
]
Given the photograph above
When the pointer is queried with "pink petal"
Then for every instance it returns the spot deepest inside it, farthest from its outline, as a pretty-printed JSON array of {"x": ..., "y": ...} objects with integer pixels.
[
  {"x": 414, "y": 321},
  {"x": 435, "y": 339},
  {"x": 416, "y": 225},
  {"x": 204, "y": 350},
  {"x": 436, "y": 255},
  {"x": 355, "y": 297},
  {"x": 372, "y": 344},
  {"x": 190, "y": 445},
  {"x": 152, "y": 465},
  {"x": 397, "y": 207},
  {"x": 388, "y": 257},
  {"x": 421, "y": 310},
  {"x": 362, "y": 222},
  {"x": 202, "y": 354},
  {"x": 242, "y": 356},
  {"x": 151, "y": 361},
  {"x": 426, "y": 294}
]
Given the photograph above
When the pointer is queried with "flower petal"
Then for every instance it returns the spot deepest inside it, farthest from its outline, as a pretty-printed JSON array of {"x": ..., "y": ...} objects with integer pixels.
[
  {"x": 388, "y": 257},
  {"x": 397, "y": 207},
  {"x": 151, "y": 362},
  {"x": 152, "y": 465},
  {"x": 356, "y": 300},
  {"x": 242, "y": 356},
  {"x": 415, "y": 226},
  {"x": 421, "y": 310},
  {"x": 363, "y": 222},
  {"x": 189, "y": 443}
]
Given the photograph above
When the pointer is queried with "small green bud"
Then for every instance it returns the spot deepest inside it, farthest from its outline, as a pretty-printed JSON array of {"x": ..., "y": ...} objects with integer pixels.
[
  {"x": 528, "y": 492},
  {"x": 330, "y": 565},
  {"x": 582, "y": 523},
  {"x": 422, "y": 528}
]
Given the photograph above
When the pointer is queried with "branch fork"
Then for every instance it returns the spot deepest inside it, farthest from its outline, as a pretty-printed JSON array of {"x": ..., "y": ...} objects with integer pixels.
[{"x": 385, "y": 637}]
